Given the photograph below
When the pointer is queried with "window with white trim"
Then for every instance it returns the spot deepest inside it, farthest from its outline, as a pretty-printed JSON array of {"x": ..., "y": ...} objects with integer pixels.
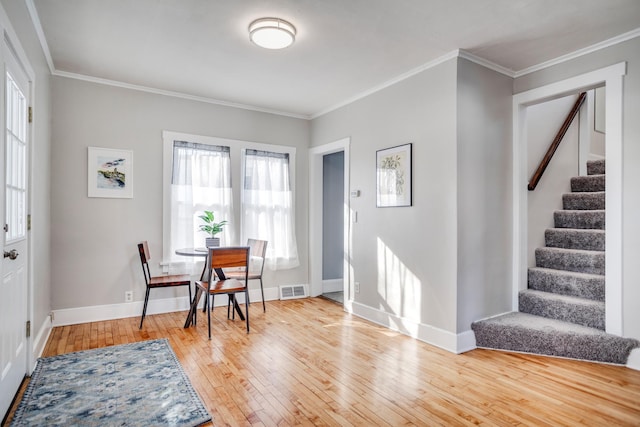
[
  {"x": 198, "y": 172},
  {"x": 200, "y": 181},
  {"x": 267, "y": 206}
]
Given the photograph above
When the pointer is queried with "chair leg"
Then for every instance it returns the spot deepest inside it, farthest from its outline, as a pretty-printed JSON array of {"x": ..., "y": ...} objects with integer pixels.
[
  {"x": 264, "y": 307},
  {"x": 209, "y": 320},
  {"x": 246, "y": 305},
  {"x": 206, "y": 304},
  {"x": 193, "y": 319},
  {"x": 144, "y": 308}
]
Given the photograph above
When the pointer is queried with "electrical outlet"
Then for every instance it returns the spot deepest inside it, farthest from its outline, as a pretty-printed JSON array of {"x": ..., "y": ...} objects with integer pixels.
[
  {"x": 128, "y": 296},
  {"x": 356, "y": 288}
]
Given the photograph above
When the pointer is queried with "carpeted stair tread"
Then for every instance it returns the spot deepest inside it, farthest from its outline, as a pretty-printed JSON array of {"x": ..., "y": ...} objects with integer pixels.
[
  {"x": 573, "y": 238},
  {"x": 580, "y": 184},
  {"x": 596, "y": 167},
  {"x": 571, "y": 260},
  {"x": 594, "y": 219},
  {"x": 572, "y": 309},
  {"x": 584, "y": 201},
  {"x": 525, "y": 332},
  {"x": 583, "y": 285}
]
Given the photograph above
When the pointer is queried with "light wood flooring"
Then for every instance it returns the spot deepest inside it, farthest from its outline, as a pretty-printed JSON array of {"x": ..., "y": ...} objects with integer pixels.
[{"x": 306, "y": 362}]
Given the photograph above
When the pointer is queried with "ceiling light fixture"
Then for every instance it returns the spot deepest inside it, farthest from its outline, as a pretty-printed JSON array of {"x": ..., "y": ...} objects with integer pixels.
[{"x": 272, "y": 33}]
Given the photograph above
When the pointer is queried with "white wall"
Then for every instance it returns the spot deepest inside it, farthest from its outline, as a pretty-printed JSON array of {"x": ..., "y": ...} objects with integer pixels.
[
  {"x": 94, "y": 258},
  {"x": 404, "y": 258},
  {"x": 543, "y": 122},
  {"x": 484, "y": 193},
  {"x": 433, "y": 268},
  {"x": 628, "y": 51},
  {"x": 41, "y": 152}
]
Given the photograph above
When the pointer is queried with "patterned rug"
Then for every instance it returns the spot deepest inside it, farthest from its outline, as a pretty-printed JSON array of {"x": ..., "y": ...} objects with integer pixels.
[{"x": 138, "y": 384}]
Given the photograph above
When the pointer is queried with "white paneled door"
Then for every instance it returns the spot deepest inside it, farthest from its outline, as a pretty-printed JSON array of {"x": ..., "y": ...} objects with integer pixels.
[{"x": 13, "y": 272}]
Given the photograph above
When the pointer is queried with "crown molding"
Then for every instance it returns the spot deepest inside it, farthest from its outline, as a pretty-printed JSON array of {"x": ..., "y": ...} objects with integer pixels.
[
  {"x": 33, "y": 13},
  {"x": 174, "y": 94},
  {"x": 486, "y": 63},
  {"x": 391, "y": 82},
  {"x": 458, "y": 53},
  {"x": 580, "y": 52}
]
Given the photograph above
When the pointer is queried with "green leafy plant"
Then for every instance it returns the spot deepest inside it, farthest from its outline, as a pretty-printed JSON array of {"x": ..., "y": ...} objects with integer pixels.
[{"x": 210, "y": 226}]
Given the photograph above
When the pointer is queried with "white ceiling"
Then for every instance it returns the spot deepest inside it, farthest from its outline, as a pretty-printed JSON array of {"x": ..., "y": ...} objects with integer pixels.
[{"x": 343, "y": 48}]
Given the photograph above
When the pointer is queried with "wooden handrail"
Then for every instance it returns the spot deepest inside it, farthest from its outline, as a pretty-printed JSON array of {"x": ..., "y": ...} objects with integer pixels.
[{"x": 556, "y": 142}]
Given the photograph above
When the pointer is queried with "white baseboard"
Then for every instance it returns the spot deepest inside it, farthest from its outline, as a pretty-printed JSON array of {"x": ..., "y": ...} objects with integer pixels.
[
  {"x": 633, "y": 362},
  {"x": 40, "y": 341},
  {"x": 97, "y": 313},
  {"x": 333, "y": 285},
  {"x": 455, "y": 343}
]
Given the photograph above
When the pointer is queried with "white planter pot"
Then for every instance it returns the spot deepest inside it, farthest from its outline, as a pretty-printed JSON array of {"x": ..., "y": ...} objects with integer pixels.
[{"x": 212, "y": 242}]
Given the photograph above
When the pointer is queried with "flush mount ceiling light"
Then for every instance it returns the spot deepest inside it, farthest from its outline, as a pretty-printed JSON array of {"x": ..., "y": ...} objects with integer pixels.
[{"x": 272, "y": 33}]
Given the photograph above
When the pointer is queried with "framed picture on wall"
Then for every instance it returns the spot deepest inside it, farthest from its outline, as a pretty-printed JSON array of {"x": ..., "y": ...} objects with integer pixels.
[
  {"x": 393, "y": 176},
  {"x": 110, "y": 173}
]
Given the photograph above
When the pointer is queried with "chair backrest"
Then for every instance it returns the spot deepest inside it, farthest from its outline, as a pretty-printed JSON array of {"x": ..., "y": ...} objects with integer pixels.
[
  {"x": 227, "y": 257},
  {"x": 143, "y": 249},
  {"x": 258, "y": 249}
]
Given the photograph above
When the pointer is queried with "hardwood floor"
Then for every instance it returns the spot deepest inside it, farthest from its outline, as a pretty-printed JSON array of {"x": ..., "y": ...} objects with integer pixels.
[{"x": 306, "y": 362}]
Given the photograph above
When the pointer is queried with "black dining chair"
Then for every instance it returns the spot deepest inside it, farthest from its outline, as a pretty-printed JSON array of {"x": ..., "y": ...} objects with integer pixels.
[
  {"x": 163, "y": 281},
  {"x": 219, "y": 284},
  {"x": 256, "y": 265}
]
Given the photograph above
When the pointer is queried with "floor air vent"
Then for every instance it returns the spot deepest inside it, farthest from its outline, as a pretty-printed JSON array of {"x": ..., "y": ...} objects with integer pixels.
[{"x": 293, "y": 291}]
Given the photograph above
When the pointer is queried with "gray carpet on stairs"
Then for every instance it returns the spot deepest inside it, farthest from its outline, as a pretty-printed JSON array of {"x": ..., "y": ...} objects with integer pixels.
[
  {"x": 580, "y": 311},
  {"x": 583, "y": 285},
  {"x": 596, "y": 167},
  {"x": 583, "y": 201},
  {"x": 589, "y": 183},
  {"x": 527, "y": 333},
  {"x": 579, "y": 219},
  {"x": 591, "y": 262},
  {"x": 562, "y": 313},
  {"x": 568, "y": 238}
]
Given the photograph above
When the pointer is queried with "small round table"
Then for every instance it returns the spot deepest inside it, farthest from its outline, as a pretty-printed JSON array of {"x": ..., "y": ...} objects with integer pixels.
[
  {"x": 202, "y": 252},
  {"x": 194, "y": 252}
]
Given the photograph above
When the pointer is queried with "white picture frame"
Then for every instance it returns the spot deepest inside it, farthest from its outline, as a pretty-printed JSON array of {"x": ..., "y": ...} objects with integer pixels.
[
  {"x": 393, "y": 176},
  {"x": 109, "y": 173}
]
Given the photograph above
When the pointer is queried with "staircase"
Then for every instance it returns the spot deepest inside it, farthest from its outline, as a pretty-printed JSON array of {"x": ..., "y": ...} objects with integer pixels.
[{"x": 562, "y": 313}]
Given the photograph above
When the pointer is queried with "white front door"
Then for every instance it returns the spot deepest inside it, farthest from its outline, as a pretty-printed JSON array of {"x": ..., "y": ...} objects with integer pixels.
[{"x": 13, "y": 215}]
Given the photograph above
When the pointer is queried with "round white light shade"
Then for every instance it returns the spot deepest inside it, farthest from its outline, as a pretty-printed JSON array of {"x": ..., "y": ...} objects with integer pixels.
[{"x": 272, "y": 33}]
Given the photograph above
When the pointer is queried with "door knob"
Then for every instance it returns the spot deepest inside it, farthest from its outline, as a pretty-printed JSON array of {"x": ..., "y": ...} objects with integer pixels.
[{"x": 13, "y": 254}]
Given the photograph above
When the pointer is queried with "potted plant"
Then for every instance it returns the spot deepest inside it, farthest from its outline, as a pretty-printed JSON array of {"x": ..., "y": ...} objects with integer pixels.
[{"x": 211, "y": 228}]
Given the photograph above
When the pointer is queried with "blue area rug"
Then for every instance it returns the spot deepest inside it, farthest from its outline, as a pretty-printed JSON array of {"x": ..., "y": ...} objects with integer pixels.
[{"x": 138, "y": 384}]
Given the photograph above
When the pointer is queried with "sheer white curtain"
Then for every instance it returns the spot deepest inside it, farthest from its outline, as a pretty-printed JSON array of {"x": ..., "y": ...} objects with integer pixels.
[
  {"x": 201, "y": 180},
  {"x": 267, "y": 207}
]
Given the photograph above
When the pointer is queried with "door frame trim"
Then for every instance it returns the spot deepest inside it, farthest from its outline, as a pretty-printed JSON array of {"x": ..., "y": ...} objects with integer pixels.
[
  {"x": 612, "y": 77},
  {"x": 316, "y": 155}
]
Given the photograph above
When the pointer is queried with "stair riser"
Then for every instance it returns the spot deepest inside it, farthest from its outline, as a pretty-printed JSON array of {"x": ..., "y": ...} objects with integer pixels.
[
  {"x": 583, "y": 201},
  {"x": 589, "y": 183},
  {"x": 596, "y": 167},
  {"x": 590, "y": 313},
  {"x": 567, "y": 238},
  {"x": 563, "y": 284},
  {"x": 584, "y": 262},
  {"x": 579, "y": 219}
]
